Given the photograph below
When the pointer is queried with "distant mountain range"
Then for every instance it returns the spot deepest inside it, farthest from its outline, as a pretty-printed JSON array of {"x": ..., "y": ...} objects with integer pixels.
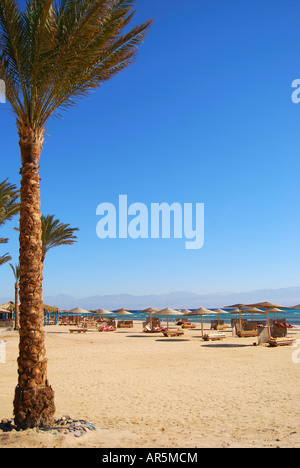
[{"x": 176, "y": 300}]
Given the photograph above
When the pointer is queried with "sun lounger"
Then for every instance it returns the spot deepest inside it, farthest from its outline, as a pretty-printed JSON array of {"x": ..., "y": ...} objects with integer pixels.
[
  {"x": 188, "y": 325},
  {"x": 106, "y": 328},
  {"x": 284, "y": 341},
  {"x": 148, "y": 329},
  {"x": 283, "y": 325},
  {"x": 125, "y": 324},
  {"x": 214, "y": 336},
  {"x": 170, "y": 333},
  {"x": 78, "y": 330},
  {"x": 222, "y": 327},
  {"x": 218, "y": 325},
  {"x": 246, "y": 333}
]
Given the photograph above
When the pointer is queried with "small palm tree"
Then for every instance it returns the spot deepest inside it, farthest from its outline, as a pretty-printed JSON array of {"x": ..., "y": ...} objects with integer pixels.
[
  {"x": 9, "y": 207},
  {"x": 51, "y": 54},
  {"x": 55, "y": 233},
  {"x": 16, "y": 272}
]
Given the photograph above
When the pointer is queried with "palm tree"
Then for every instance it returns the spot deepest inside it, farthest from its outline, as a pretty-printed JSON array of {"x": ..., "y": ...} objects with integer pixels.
[
  {"x": 9, "y": 207},
  {"x": 51, "y": 54},
  {"x": 55, "y": 233},
  {"x": 16, "y": 272}
]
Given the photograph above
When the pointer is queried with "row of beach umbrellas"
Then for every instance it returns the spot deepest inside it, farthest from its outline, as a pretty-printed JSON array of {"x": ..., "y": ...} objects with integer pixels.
[{"x": 238, "y": 309}]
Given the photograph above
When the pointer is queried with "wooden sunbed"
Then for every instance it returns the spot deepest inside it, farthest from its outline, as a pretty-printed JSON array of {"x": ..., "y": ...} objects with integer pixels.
[
  {"x": 147, "y": 329},
  {"x": 188, "y": 325},
  {"x": 170, "y": 333},
  {"x": 78, "y": 330},
  {"x": 106, "y": 328},
  {"x": 285, "y": 341},
  {"x": 125, "y": 325},
  {"x": 222, "y": 327},
  {"x": 246, "y": 333},
  {"x": 214, "y": 337}
]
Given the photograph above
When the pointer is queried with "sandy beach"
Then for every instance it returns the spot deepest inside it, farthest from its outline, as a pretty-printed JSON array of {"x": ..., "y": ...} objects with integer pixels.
[{"x": 148, "y": 391}]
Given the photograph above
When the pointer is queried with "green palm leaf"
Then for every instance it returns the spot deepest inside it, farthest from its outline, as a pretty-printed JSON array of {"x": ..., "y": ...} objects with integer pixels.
[{"x": 55, "y": 233}]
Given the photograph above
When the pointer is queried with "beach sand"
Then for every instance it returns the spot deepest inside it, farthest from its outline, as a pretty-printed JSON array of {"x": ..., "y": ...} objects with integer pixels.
[{"x": 148, "y": 391}]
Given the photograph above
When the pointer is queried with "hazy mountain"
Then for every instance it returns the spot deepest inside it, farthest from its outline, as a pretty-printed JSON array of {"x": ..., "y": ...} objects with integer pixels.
[{"x": 180, "y": 300}]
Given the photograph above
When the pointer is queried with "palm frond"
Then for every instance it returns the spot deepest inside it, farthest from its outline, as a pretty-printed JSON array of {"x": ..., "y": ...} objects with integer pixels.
[
  {"x": 9, "y": 205},
  {"x": 13, "y": 53},
  {"x": 5, "y": 258},
  {"x": 56, "y": 52},
  {"x": 55, "y": 233},
  {"x": 16, "y": 270}
]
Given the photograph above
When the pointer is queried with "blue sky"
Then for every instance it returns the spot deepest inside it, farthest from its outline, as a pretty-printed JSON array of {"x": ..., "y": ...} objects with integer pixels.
[{"x": 204, "y": 116}]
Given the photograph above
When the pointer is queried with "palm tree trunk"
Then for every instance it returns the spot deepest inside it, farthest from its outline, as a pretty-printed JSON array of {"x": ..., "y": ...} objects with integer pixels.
[
  {"x": 34, "y": 398},
  {"x": 17, "y": 321}
]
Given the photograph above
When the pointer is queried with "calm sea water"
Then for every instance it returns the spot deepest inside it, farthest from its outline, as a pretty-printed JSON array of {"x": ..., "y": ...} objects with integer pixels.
[{"x": 292, "y": 317}]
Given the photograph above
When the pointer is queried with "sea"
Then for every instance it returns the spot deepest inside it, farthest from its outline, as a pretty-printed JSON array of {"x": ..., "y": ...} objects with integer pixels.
[{"x": 292, "y": 317}]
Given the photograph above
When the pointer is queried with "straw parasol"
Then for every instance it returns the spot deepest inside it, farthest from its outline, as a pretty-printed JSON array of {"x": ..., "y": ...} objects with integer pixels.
[
  {"x": 77, "y": 311},
  {"x": 5, "y": 311},
  {"x": 220, "y": 311},
  {"x": 267, "y": 306},
  {"x": 168, "y": 311},
  {"x": 149, "y": 310},
  {"x": 275, "y": 310},
  {"x": 48, "y": 308},
  {"x": 244, "y": 309},
  {"x": 100, "y": 312},
  {"x": 123, "y": 312},
  {"x": 201, "y": 311},
  {"x": 8, "y": 306},
  {"x": 185, "y": 311},
  {"x": 239, "y": 307}
]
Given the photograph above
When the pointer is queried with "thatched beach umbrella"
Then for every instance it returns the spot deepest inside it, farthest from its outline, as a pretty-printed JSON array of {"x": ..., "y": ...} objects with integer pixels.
[
  {"x": 185, "y": 311},
  {"x": 149, "y": 310},
  {"x": 77, "y": 311},
  {"x": 49, "y": 308},
  {"x": 100, "y": 312},
  {"x": 5, "y": 311},
  {"x": 275, "y": 310},
  {"x": 201, "y": 311},
  {"x": 267, "y": 306},
  {"x": 168, "y": 311},
  {"x": 123, "y": 312},
  {"x": 239, "y": 307},
  {"x": 8, "y": 306},
  {"x": 220, "y": 311}
]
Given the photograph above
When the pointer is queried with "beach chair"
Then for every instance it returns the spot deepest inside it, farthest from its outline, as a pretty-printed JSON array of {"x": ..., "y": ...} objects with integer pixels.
[
  {"x": 180, "y": 321},
  {"x": 214, "y": 336},
  {"x": 155, "y": 329},
  {"x": 188, "y": 325},
  {"x": 106, "y": 328},
  {"x": 247, "y": 329},
  {"x": 78, "y": 330},
  {"x": 218, "y": 325},
  {"x": 279, "y": 333},
  {"x": 284, "y": 341},
  {"x": 170, "y": 333},
  {"x": 125, "y": 324}
]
